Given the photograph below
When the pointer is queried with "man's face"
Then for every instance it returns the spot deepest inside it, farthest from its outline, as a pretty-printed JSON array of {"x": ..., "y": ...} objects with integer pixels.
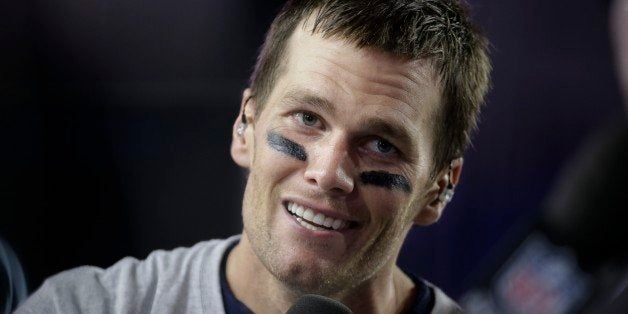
[{"x": 339, "y": 162}]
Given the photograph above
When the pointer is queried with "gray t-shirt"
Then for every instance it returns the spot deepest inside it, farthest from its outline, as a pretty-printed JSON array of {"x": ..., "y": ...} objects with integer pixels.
[{"x": 184, "y": 280}]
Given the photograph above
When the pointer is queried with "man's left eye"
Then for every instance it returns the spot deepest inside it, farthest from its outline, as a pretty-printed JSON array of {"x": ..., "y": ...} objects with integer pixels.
[
  {"x": 381, "y": 146},
  {"x": 307, "y": 118}
]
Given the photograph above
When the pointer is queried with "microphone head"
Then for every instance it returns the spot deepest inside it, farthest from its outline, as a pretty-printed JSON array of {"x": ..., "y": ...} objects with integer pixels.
[{"x": 314, "y": 304}]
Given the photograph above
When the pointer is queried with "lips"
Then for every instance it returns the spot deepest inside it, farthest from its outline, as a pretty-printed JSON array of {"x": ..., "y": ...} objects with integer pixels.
[{"x": 314, "y": 220}]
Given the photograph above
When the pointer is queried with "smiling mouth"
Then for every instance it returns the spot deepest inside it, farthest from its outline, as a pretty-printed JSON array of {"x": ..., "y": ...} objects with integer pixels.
[{"x": 315, "y": 221}]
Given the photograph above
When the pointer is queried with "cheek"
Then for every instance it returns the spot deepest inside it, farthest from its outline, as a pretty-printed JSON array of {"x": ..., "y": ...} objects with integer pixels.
[
  {"x": 271, "y": 166},
  {"x": 385, "y": 204},
  {"x": 392, "y": 209}
]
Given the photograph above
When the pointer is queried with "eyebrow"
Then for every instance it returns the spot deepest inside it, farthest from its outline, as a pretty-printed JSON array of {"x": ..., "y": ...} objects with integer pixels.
[{"x": 300, "y": 96}]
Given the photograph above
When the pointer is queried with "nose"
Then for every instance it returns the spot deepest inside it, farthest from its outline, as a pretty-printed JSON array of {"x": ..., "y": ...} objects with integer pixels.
[{"x": 330, "y": 167}]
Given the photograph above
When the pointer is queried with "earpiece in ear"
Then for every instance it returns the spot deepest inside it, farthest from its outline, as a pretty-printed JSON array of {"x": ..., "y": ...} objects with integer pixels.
[
  {"x": 446, "y": 195},
  {"x": 448, "y": 192},
  {"x": 240, "y": 129},
  {"x": 242, "y": 125}
]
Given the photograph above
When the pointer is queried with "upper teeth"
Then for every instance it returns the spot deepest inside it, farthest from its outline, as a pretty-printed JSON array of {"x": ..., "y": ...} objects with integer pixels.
[{"x": 320, "y": 219}]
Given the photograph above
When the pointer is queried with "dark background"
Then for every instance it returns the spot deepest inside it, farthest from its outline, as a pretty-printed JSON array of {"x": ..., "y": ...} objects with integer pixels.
[{"x": 116, "y": 119}]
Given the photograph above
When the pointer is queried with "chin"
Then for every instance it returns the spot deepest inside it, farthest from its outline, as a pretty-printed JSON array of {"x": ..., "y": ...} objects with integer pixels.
[
  {"x": 313, "y": 276},
  {"x": 311, "y": 281}
]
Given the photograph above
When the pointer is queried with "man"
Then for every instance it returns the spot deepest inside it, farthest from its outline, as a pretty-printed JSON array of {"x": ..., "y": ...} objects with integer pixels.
[{"x": 352, "y": 130}]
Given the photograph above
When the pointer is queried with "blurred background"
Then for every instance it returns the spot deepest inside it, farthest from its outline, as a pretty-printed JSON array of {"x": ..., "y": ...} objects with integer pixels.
[{"x": 115, "y": 123}]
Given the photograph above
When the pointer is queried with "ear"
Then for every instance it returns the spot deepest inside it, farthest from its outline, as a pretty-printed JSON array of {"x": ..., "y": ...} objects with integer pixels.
[
  {"x": 242, "y": 142},
  {"x": 434, "y": 207}
]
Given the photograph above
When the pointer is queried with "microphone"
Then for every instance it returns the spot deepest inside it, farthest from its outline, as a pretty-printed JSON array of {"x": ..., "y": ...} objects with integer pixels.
[{"x": 314, "y": 304}]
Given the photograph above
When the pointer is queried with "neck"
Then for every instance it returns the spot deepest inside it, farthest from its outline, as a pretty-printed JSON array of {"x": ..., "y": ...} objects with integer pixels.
[{"x": 261, "y": 292}]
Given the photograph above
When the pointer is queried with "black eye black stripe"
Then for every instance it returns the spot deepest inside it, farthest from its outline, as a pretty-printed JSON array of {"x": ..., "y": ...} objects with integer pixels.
[
  {"x": 387, "y": 180},
  {"x": 378, "y": 178},
  {"x": 286, "y": 146}
]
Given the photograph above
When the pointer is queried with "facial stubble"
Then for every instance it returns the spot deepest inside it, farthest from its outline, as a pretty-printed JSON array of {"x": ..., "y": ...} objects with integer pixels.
[{"x": 324, "y": 277}]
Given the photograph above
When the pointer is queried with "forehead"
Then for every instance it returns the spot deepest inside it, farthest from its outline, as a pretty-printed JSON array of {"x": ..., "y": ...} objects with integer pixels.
[{"x": 393, "y": 76}]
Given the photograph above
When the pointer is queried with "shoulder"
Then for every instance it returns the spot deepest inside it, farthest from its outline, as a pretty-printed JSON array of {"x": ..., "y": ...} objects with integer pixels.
[
  {"x": 430, "y": 298},
  {"x": 443, "y": 304},
  {"x": 165, "y": 279}
]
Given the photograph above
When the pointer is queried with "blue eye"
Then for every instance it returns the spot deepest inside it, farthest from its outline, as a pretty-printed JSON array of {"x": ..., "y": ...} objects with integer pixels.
[
  {"x": 384, "y": 147},
  {"x": 307, "y": 118},
  {"x": 381, "y": 146}
]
